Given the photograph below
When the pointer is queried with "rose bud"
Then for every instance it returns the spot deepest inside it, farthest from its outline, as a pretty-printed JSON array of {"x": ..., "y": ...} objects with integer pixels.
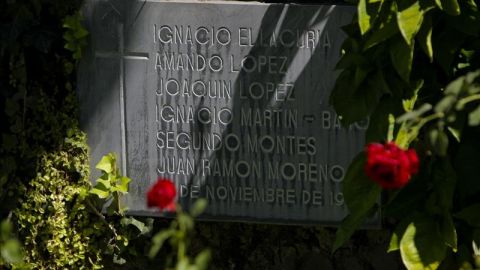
[
  {"x": 162, "y": 195},
  {"x": 390, "y": 166}
]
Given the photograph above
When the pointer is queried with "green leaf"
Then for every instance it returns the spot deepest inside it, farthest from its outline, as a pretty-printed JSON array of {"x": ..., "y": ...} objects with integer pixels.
[
  {"x": 401, "y": 55},
  {"x": 361, "y": 196},
  {"x": 102, "y": 194},
  {"x": 425, "y": 36},
  {"x": 198, "y": 207},
  {"x": 444, "y": 180},
  {"x": 438, "y": 141},
  {"x": 379, "y": 121},
  {"x": 5, "y": 230},
  {"x": 409, "y": 104},
  {"x": 394, "y": 243},
  {"x": 412, "y": 115},
  {"x": 447, "y": 229},
  {"x": 360, "y": 74},
  {"x": 470, "y": 215},
  {"x": 449, "y": 6},
  {"x": 397, "y": 235},
  {"x": 474, "y": 117},
  {"x": 361, "y": 193},
  {"x": 456, "y": 133},
  {"x": 409, "y": 21},
  {"x": 202, "y": 259},
  {"x": 185, "y": 221},
  {"x": 11, "y": 251},
  {"x": 158, "y": 240},
  {"x": 118, "y": 260},
  {"x": 363, "y": 17},
  {"x": 350, "y": 106},
  {"x": 386, "y": 30},
  {"x": 103, "y": 184},
  {"x": 421, "y": 246},
  {"x": 107, "y": 163},
  {"x": 123, "y": 185},
  {"x": 182, "y": 264},
  {"x": 445, "y": 103},
  {"x": 142, "y": 227}
]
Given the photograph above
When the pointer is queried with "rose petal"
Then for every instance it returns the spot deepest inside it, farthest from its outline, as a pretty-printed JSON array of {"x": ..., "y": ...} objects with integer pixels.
[{"x": 389, "y": 165}]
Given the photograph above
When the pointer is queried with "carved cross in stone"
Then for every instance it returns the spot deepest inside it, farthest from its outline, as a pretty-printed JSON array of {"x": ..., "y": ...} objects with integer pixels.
[{"x": 121, "y": 55}]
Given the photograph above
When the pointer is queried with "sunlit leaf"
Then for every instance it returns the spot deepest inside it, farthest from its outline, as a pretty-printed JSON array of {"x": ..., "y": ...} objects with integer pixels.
[
  {"x": 363, "y": 17},
  {"x": 409, "y": 21},
  {"x": 106, "y": 163},
  {"x": 421, "y": 246},
  {"x": 425, "y": 36}
]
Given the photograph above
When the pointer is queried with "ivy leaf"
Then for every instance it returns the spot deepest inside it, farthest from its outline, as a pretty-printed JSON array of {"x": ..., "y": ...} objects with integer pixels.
[
  {"x": 123, "y": 185},
  {"x": 401, "y": 55},
  {"x": 102, "y": 194},
  {"x": 142, "y": 227},
  {"x": 103, "y": 184},
  {"x": 421, "y": 246},
  {"x": 409, "y": 21},
  {"x": 118, "y": 260},
  {"x": 107, "y": 162},
  {"x": 363, "y": 17},
  {"x": 424, "y": 36}
]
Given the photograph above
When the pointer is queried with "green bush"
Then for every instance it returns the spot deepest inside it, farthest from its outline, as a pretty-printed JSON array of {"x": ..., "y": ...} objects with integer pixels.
[{"x": 57, "y": 229}]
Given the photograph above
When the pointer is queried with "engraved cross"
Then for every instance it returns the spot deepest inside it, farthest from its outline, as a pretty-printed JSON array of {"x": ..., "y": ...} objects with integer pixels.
[{"x": 122, "y": 55}]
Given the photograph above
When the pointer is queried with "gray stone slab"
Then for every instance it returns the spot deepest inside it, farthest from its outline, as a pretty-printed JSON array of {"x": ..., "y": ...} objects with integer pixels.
[{"x": 228, "y": 99}]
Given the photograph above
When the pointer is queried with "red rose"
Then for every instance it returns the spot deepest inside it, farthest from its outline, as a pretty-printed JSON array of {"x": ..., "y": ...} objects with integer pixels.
[
  {"x": 162, "y": 195},
  {"x": 390, "y": 166}
]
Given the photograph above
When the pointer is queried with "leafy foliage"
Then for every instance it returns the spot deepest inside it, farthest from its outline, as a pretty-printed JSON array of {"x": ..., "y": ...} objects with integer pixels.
[
  {"x": 10, "y": 247},
  {"x": 417, "y": 63},
  {"x": 179, "y": 235},
  {"x": 56, "y": 229},
  {"x": 75, "y": 35},
  {"x": 118, "y": 229}
]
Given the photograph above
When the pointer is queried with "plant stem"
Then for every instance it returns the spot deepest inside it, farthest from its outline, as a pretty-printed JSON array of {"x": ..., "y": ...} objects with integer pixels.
[
  {"x": 102, "y": 217},
  {"x": 468, "y": 99}
]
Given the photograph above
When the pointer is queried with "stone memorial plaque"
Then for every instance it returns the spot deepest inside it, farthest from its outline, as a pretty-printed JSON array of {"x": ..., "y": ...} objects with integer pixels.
[{"x": 227, "y": 99}]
